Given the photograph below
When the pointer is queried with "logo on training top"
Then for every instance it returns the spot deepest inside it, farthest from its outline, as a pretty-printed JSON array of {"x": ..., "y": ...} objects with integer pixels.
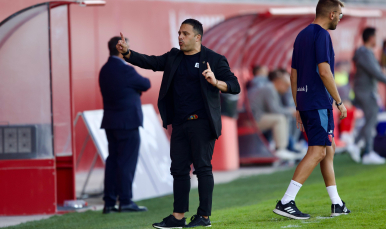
[
  {"x": 197, "y": 65},
  {"x": 303, "y": 89}
]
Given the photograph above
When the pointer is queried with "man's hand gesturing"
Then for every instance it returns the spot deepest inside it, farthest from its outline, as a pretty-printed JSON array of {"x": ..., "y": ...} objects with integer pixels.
[
  {"x": 209, "y": 75},
  {"x": 122, "y": 46}
]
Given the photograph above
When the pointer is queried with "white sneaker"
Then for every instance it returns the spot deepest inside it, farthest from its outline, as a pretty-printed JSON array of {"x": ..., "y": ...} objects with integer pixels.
[
  {"x": 287, "y": 155},
  {"x": 373, "y": 158},
  {"x": 355, "y": 152}
]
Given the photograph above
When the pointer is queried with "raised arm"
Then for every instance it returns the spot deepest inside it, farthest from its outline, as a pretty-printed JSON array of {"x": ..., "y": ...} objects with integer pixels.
[{"x": 155, "y": 63}]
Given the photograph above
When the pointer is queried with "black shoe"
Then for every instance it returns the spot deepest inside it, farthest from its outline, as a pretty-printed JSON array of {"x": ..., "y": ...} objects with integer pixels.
[
  {"x": 109, "y": 209},
  {"x": 337, "y": 210},
  {"x": 171, "y": 222},
  {"x": 289, "y": 210},
  {"x": 199, "y": 221},
  {"x": 133, "y": 207}
]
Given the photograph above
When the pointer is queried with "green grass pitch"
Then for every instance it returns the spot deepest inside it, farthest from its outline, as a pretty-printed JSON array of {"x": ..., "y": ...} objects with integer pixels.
[{"x": 248, "y": 203}]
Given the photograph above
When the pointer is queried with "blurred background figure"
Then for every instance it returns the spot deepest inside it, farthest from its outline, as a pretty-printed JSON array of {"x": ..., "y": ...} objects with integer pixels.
[
  {"x": 344, "y": 131},
  {"x": 383, "y": 56},
  {"x": 260, "y": 77},
  {"x": 342, "y": 78},
  {"x": 121, "y": 87},
  {"x": 287, "y": 99},
  {"x": 270, "y": 114},
  {"x": 369, "y": 72},
  {"x": 294, "y": 133}
]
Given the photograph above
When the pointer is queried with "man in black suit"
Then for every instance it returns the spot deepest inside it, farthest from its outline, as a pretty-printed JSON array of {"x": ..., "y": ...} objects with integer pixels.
[
  {"x": 121, "y": 87},
  {"x": 191, "y": 103}
]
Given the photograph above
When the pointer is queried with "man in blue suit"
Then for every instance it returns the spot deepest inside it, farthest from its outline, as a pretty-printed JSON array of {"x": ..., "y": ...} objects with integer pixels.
[{"x": 121, "y": 87}]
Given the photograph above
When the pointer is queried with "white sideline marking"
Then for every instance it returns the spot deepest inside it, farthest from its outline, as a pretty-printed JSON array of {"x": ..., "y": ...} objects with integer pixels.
[{"x": 321, "y": 217}]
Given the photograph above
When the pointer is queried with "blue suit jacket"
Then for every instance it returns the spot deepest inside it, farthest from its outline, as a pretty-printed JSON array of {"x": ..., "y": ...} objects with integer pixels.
[{"x": 121, "y": 87}]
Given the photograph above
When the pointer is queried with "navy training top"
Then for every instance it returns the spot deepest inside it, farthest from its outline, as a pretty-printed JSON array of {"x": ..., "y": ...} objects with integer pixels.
[
  {"x": 312, "y": 46},
  {"x": 187, "y": 90}
]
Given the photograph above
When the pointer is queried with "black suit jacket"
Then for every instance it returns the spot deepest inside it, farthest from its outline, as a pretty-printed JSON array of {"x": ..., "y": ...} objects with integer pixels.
[
  {"x": 169, "y": 62},
  {"x": 121, "y": 88}
]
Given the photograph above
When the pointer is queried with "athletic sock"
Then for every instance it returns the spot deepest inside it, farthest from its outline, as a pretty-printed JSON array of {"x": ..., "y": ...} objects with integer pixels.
[
  {"x": 334, "y": 196},
  {"x": 291, "y": 192}
]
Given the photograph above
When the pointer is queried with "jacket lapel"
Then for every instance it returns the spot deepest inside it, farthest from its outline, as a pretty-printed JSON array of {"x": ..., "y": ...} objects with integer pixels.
[
  {"x": 174, "y": 68},
  {"x": 203, "y": 67}
]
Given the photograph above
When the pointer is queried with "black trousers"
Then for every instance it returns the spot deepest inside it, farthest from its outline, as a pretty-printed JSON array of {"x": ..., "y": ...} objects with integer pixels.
[
  {"x": 192, "y": 142},
  {"x": 120, "y": 165}
]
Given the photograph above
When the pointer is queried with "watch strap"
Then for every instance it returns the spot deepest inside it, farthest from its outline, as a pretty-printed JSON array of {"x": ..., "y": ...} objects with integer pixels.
[
  {"x": 338, "y": 104},
  {"x": 126, "y": 53}
]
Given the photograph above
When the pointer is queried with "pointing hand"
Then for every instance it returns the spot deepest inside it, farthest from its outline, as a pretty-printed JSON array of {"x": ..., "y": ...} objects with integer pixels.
[
  {"x": 209, "y": 75},
  {"x": 122, "y": 46}
]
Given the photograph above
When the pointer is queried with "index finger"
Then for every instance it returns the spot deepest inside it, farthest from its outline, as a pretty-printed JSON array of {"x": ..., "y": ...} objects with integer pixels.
[
  {"x": 207, "y": 63},
  {"x": 122, "y": 38}
]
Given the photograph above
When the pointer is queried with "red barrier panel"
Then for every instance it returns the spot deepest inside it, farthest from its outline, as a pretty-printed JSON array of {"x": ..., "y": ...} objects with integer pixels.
[
  {"x": 226, "y": 152},
  {"x": 21, "y": 193},
  {"x": 347, "y": 124}
]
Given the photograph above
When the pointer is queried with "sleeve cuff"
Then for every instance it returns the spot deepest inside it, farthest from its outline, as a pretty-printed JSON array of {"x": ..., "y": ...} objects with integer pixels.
[{"x": 228, "y": 87}]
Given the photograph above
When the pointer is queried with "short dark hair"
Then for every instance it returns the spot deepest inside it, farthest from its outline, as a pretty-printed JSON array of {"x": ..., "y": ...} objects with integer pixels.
[
  {"x": 112, "y": 45},
  {"x": 275, "y": 74},
  {"x": 256, "y": 69},
  {"x": 324, "y": 6},
  {"x": 367, "y": 33},
  {"x": 197, "y": 26},
  {"x": 283, "y": 71}
]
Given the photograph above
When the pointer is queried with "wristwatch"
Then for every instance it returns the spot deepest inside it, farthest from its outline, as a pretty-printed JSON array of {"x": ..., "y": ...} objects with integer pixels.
[
  {"x": 126, "y": 53},
  {"x": 338, "y": 104}
]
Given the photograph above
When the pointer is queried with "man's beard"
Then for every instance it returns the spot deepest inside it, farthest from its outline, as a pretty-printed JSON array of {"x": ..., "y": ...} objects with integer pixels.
[
  {"x": 186, "y": 48},
  {"x": 333, "y": 25}
]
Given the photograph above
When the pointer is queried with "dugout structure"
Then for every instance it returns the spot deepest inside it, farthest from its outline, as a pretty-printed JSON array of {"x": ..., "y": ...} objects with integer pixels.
[
  {"x": 36, "y": 133},
  {"x": 267, "y": 38}
]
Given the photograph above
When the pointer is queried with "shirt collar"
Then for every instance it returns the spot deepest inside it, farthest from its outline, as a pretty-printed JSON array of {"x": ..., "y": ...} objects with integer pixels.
[{"x": 119, "y": 59}]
